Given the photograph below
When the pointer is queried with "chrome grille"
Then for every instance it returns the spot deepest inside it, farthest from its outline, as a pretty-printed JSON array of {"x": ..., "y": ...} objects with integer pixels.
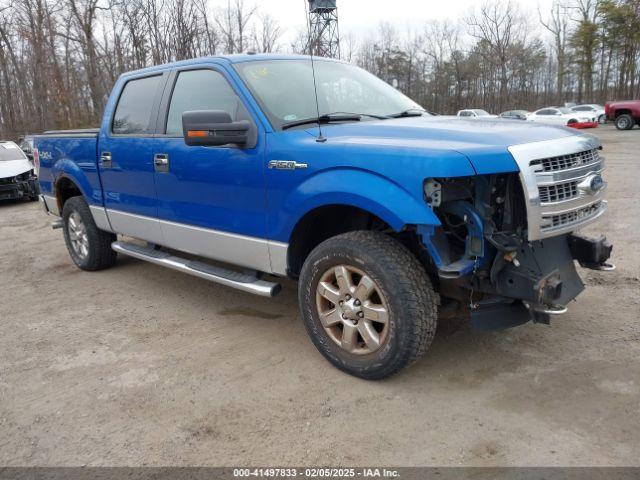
[
  {"x": 557, "y": 176},
  {"x": 558, "y": 193},
  {"x": 564, "y": 162},
  {"x": 570, "y": 218}
]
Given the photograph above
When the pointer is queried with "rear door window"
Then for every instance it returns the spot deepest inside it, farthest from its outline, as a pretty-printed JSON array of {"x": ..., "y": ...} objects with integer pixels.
[
  {"x": 135, "y": 107},
  {"x": 200, "y": 90}
]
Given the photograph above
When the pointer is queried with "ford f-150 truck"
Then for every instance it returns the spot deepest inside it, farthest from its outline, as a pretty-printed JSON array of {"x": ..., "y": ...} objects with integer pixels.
[{"x": 243, "y": 169}]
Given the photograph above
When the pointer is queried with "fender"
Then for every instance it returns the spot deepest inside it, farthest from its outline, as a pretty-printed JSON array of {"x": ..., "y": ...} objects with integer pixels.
[
  {"x": 358, "y": 188},
  {"x": 66, "y": 168}
]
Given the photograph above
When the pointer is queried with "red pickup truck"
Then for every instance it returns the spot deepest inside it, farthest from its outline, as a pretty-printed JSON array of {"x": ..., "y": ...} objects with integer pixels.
[{"x": 624, "y": 114}]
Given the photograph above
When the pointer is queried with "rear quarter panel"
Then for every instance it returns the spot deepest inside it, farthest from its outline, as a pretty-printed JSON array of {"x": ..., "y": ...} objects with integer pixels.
[{"x": 74, "y": 158}]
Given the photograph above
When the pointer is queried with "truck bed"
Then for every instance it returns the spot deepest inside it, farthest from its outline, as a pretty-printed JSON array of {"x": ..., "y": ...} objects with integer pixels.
[{"x": 72, "y": 151}]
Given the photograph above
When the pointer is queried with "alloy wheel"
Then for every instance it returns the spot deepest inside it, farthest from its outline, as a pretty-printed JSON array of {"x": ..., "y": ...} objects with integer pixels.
[
  {"x": 78, "y": 235},
  {"x": 352, "y": 309}
]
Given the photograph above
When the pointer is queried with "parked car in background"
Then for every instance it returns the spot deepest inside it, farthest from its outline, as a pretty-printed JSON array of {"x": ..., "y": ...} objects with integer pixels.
[
  {"x": 592, "y": 109},
  {"x": 563, "y": 116},
  {"x": 26, "y": 144},
  {"x": 476, "y": 113},
  {"x": 17, "y": 176},
  {"x": 515, "y": 114},
  {"x": 624, "y": 114}
]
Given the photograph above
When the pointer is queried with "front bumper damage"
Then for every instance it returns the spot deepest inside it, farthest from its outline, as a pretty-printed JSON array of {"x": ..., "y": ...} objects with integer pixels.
[
  {"x": 17, "y": 188},
  {"x": 535, "y": 282}
]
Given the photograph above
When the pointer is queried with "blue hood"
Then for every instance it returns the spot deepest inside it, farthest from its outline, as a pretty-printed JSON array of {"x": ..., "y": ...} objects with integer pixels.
[{"x": 484, "y": 143}]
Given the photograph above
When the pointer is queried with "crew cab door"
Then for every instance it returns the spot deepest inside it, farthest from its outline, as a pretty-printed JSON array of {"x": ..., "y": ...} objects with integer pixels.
[
  {"x": 211, "y": 200},
  {"x": 125, "y": 157}
]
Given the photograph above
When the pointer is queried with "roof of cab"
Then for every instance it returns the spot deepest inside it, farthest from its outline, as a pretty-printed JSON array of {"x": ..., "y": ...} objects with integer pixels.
[{"x": 229, "y": 59}]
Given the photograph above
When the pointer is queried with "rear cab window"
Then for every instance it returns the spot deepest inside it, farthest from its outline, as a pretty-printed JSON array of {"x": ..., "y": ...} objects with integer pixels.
[{"x": 136, "y": 106}]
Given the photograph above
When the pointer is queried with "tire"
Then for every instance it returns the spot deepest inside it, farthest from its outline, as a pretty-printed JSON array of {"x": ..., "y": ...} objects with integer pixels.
[
  {"x": 624, "y": 122},
  {"x": 602, "y": 119},
  {"x": 401, "y": 287},
  {"x": 88, "y": 246}
]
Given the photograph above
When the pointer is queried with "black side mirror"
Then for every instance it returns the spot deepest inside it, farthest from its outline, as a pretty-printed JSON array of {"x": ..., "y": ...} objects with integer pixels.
[{"x": 213, "y": 128}]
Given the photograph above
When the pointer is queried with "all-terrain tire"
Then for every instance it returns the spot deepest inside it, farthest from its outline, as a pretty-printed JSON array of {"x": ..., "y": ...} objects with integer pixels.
[
  {"x": 99, "y": 252},
  {"x": 411, "y": 300},
  {"x": 625, "y": 122}
]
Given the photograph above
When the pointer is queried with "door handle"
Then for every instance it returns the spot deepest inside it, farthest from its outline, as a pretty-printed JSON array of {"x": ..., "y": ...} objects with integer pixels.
[
  {"x": 161, "y": 162},
  {"x": 106, "y": 160}
]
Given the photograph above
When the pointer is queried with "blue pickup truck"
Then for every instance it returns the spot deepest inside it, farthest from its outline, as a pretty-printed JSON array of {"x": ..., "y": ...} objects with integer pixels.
[{"x": 245, "y": 169}]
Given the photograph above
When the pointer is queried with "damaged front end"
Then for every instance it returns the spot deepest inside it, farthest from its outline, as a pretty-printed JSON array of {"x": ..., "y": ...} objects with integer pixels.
[
  {"x": 20, "y": 186},
  {"x": 506, "y": 248}
]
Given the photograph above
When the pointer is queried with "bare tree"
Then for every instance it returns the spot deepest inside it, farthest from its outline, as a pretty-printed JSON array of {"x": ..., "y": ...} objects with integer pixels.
[
  {"x": 233, "y": 21},
  {"x": 497, "y": 25},
  {"x": 558, "y": 26},
  {"x": 266, "y": 33}
]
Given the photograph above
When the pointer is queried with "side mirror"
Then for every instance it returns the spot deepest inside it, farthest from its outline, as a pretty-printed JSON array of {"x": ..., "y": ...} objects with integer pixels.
[{"x": 210, "y": 128}]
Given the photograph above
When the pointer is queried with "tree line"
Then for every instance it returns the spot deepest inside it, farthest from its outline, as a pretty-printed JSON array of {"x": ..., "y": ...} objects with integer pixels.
[{"x": 60, "y": 58}]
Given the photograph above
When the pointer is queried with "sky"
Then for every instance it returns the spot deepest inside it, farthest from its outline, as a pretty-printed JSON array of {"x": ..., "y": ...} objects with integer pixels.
[{"x": 360, "y": 17}]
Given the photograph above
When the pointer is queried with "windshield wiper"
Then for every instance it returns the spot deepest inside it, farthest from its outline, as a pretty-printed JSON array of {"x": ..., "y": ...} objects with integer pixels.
[
  {"x": 378, "y": 117},
  {"x": 323, "y": 119},
  {"x": 410, "y": 112}
]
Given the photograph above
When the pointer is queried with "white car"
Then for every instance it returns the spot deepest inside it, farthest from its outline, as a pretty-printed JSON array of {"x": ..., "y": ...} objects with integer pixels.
[
  {"x": 562, "y": 116},
  {"x": 17, "y": 177},
  {"x": 592, "y": 109},
  {"x": 475, "y": 113}
]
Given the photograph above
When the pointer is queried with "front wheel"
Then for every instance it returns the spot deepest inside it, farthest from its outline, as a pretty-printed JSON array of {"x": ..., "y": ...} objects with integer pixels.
[
  {"x": 624, "y": 122},
  {"x": 367, "y": 304},
  {"x": 602, "y": 119},
  {"x": 89, "y": 247}
]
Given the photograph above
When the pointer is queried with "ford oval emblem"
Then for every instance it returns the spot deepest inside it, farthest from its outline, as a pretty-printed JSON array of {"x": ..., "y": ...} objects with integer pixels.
[
  {"x": 592, "y": 184},
  {"x": 596, "y": 183}
]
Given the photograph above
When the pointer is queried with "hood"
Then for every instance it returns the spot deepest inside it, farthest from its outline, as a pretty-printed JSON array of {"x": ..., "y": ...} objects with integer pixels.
[
  {"x": 13, "y": 168},
  {"x": 485, "y": 143}
]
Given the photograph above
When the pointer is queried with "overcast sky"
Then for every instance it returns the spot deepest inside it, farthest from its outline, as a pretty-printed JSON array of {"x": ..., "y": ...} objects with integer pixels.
[{"x": 362, "y": 16}]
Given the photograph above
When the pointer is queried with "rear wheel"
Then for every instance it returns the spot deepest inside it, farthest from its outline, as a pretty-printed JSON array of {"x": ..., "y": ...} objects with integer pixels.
[
  {"x": 367, "y": 304},
  {"x": 624, "y": 122},
  {"x": 88, "y": 246}
]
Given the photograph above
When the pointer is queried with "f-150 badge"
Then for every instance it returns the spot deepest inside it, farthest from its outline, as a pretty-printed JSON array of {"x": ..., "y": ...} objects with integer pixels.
[{"x": 286, "y": 165}]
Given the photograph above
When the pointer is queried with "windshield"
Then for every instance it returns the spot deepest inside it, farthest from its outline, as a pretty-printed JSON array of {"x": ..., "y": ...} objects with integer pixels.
[
  {"x": 10, "y": 151},
  {"x": 482, "y": 113},
  {"x": 284, "y": 89}
]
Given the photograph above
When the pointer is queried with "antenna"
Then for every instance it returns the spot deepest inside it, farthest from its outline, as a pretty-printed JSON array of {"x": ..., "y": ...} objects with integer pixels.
[{"x": 321, "y": 138}]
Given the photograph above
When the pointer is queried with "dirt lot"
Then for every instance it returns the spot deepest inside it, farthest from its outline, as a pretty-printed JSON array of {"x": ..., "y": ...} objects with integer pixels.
[{"x": 140, "y": 365}]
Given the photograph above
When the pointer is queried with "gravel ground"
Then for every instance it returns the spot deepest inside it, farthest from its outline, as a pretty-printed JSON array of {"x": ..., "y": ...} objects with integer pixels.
[{"x": 140, "y": 365}]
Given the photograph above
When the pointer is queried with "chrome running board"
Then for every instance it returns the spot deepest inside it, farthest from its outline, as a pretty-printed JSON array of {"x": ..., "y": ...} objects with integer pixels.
[{"x": 240, "y": 281}]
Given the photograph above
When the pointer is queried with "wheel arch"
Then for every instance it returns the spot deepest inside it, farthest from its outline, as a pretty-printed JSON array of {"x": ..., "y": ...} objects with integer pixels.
[
  {"x": 324, "y": 222},
  {"x": 69, "y": 181},
  {"x": 622, "y": 111},
  {"x": 347, "y": 200},
  {"x": 64, "y": 189}
]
